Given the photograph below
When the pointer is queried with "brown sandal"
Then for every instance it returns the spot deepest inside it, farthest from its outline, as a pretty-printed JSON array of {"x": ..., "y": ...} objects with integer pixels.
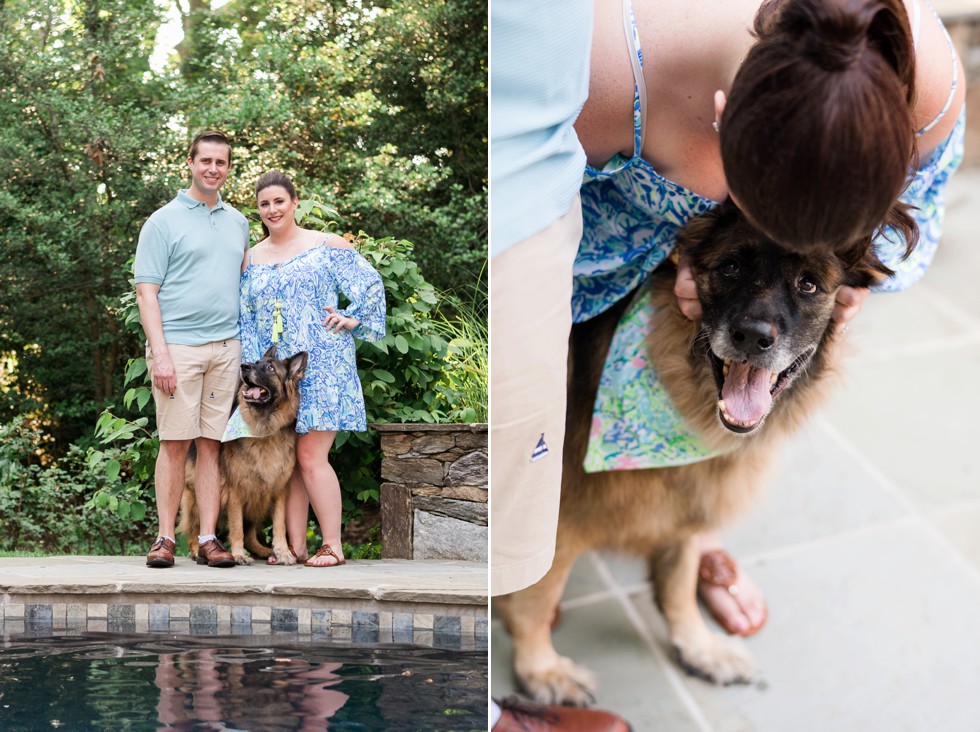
[{"x": 325, "y": 550}]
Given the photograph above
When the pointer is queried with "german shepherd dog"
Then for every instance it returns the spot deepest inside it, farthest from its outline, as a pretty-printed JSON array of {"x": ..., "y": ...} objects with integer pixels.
[
  {"x": 743, "y": 378},
  {"x": 255, "y": 470}
]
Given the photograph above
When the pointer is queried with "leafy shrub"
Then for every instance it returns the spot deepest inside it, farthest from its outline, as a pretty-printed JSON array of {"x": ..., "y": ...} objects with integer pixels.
[{"x": 47, "y": 507}]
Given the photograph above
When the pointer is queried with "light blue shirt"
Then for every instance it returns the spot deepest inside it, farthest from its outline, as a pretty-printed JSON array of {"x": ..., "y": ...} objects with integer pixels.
[
  {"x": 194, "y": 253},
  {"x": 539, "y": 81}
]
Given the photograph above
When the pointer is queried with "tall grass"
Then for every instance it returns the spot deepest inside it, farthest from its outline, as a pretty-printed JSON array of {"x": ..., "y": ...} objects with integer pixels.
[{"x": 464, "y": 385}]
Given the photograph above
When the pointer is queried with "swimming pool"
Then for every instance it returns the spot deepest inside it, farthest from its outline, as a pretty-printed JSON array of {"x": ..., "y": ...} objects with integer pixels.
[{"x": 102, "y": 681}]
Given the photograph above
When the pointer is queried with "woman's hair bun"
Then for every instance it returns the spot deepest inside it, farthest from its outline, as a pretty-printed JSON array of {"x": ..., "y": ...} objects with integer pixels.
[{"x": 836, "y": 34}]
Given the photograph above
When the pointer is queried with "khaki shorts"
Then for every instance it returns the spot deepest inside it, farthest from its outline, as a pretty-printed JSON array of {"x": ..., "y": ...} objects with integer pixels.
[
  {"x": 530, "y": 318},
  {"x": 207, "y": 379}
]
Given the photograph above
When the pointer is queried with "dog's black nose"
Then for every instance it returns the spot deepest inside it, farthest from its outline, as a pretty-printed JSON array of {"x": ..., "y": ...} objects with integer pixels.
[{"x": 752, "y": 336}]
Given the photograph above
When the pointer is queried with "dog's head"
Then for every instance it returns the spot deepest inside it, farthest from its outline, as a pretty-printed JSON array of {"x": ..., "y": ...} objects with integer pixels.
[
  {"x": 766, "y": 309},
  {"x": 265, "y": 382}
]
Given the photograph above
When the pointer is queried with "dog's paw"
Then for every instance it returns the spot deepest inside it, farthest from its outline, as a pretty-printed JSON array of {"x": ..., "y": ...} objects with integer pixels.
[
  {"x": 715, "y": 658},
  {"x": 242, "y": 558},
  {"x": 284, "y": 555},
  {"x": 562, "y": 682}
]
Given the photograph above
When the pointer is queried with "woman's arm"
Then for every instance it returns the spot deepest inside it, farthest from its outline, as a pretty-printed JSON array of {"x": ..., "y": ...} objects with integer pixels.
[{"x": 362, "y": 286}]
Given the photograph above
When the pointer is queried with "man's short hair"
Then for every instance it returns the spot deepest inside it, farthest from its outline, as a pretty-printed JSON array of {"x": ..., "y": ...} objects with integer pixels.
[{"x": 210, "y": 136}]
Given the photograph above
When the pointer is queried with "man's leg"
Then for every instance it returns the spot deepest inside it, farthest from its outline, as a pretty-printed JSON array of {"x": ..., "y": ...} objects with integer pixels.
[
  {"x": 168, "y": 477},
  {"x": 219, "y": 381},
  {"x": 207, "y": 488},
  {"x": 177, "y": 424},
  {"x": 530, "y": 320}
]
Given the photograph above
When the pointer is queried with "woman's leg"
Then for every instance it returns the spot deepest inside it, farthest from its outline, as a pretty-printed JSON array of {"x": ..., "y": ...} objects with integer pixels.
[
  {"x": 297, "y": 514},
  {"x": 322, "y": 488}
]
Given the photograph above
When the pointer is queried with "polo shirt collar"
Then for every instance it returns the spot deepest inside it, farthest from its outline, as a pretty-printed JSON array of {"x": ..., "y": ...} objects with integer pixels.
[{"x": 188, "y": 200}]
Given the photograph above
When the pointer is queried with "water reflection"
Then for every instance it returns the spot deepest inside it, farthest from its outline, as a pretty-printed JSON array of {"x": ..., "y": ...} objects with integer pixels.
[
  {"x": 220, "y": 686},
  {"x": 151, "y": 683}
]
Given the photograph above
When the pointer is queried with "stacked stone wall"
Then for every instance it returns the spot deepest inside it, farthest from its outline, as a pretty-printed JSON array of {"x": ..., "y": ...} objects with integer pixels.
[{"x": 434, "y": 498}]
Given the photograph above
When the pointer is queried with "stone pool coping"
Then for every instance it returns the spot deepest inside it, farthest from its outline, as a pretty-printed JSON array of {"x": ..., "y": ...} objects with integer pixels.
[{"x": 424, "y": 602}]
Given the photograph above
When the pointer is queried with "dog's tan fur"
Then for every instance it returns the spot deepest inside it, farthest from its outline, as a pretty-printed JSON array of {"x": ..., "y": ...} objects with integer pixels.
[
  {"x": 255, "y": 471},
  {"x": 656, "y": 513}
]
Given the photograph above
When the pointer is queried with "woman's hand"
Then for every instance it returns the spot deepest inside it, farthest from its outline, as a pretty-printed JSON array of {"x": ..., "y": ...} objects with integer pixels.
[
  {"x": 686, "y": 291},
  {"x": 335, "y": 322},
  {"x": 849, "y": 302}
]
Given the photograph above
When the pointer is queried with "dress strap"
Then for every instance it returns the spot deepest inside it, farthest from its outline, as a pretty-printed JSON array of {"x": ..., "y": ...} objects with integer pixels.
[
  {"x": 916, "y": 21},
  {"x": 952, "y": 54},
  {"x": 639, "y": 85}
]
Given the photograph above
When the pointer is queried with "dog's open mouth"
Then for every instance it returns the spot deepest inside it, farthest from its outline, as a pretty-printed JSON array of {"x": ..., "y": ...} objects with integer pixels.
[
  {"x": 746, "y": 392},
  {"x": 255, "y": 394}
]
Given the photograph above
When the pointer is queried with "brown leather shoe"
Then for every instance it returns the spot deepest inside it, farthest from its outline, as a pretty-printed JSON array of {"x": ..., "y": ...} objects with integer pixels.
[
  {"x": 519, "y": 716},
  {"x": 161, "y": 553},
  {"x": 214, "y": 554}
]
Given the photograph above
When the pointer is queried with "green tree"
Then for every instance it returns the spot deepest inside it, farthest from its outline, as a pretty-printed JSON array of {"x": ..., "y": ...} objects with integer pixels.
[
  {"x": 380, "y": 108},
  {"x": 81, "y": 127}
]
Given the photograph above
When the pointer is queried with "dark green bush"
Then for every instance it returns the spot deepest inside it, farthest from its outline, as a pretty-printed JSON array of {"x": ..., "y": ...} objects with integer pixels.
[{"x": 47, "y": 507}]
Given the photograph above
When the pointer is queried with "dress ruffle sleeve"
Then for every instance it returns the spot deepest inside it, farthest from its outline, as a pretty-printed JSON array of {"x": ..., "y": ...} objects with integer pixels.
[
  {"x": 927, "y": 193},
  {"x": 362, "y": 286},
  {"x": 248, "y": 325}
]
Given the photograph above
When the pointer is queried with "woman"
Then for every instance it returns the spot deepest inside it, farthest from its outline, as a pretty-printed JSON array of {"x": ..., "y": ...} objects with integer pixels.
[
  {"x": 291, "y": 277},
  {"x": 813, "y": 115}
]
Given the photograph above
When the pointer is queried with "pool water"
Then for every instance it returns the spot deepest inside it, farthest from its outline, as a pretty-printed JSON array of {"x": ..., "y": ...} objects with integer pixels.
[{"x": 107, "y": 682}]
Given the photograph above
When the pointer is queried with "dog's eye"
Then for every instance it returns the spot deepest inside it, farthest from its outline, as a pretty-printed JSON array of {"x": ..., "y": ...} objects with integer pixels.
[
  {"x": 729, "y": 268},
  {"x": 270, "y": 367},
  {"x": 806, "y": 285}
]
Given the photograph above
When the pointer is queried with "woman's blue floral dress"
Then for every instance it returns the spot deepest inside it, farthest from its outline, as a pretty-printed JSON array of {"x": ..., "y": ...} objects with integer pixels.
[{"x": 299, "y": 289}]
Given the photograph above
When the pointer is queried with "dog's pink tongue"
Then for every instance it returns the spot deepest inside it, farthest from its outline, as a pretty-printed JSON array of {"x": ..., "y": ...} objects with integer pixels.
[
  {"x": 254, "y": 393},
  {"x": 746, "y": 392}
]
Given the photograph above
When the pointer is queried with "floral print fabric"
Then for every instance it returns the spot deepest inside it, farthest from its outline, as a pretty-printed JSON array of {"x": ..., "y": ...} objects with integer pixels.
[{"x": 330, "y": 393}]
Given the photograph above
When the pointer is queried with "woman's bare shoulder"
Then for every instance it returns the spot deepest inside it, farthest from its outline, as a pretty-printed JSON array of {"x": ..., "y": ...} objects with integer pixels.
[
  {"x": 335, "y": 242},
  {"x": 934, "y": 80}
]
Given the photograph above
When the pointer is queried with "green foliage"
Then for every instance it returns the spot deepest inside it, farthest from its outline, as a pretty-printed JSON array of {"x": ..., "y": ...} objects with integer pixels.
[
  {"x": 127, "y": 459},
  {"x": 46, "y": 507},
  {"x": 464, "y": 385},
  {"x": 81, "y": 121},
  {"x": 378, "y": 107}
]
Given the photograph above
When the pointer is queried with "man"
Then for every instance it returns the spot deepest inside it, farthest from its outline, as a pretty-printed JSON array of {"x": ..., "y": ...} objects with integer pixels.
[
  {"x": 539, "y": 81},
  {"x": 188, "y": 263}
]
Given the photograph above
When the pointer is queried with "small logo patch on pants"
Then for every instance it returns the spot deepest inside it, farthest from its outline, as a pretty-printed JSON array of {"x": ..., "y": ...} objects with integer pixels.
[{"x": 540, "y": 450}]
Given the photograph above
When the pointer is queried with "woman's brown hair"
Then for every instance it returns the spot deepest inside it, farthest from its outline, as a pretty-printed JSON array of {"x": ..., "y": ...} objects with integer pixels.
[{"x": 817, "y": 135}]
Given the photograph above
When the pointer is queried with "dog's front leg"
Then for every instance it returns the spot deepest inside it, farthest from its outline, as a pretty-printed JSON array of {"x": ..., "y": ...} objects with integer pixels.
[
  {"x": 544, "y": 674},
  {"x": 280, "y": 544},
  {"x": 236, "y": 529},
  {"x": 674, "y": 573}
]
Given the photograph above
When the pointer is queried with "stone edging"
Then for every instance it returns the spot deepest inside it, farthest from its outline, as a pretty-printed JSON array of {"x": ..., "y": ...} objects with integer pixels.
[{"x": 453, "y": 627}]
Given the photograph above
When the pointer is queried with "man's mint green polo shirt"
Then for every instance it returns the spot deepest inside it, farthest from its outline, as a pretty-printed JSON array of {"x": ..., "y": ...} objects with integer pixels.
[{"x": 195, "y": 254}]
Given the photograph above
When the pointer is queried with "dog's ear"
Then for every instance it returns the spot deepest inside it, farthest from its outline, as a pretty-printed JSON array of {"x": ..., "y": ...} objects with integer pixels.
[
  {"x": 271, "y": 353},
  {"x": 700, "y": 228},
  {"x": 296, "y": 365}
]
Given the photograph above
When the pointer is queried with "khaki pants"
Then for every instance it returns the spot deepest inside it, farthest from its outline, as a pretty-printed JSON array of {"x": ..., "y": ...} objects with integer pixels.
[
  {"x": 530, "y": 318},
  {"x": 207, "y": 379}
]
